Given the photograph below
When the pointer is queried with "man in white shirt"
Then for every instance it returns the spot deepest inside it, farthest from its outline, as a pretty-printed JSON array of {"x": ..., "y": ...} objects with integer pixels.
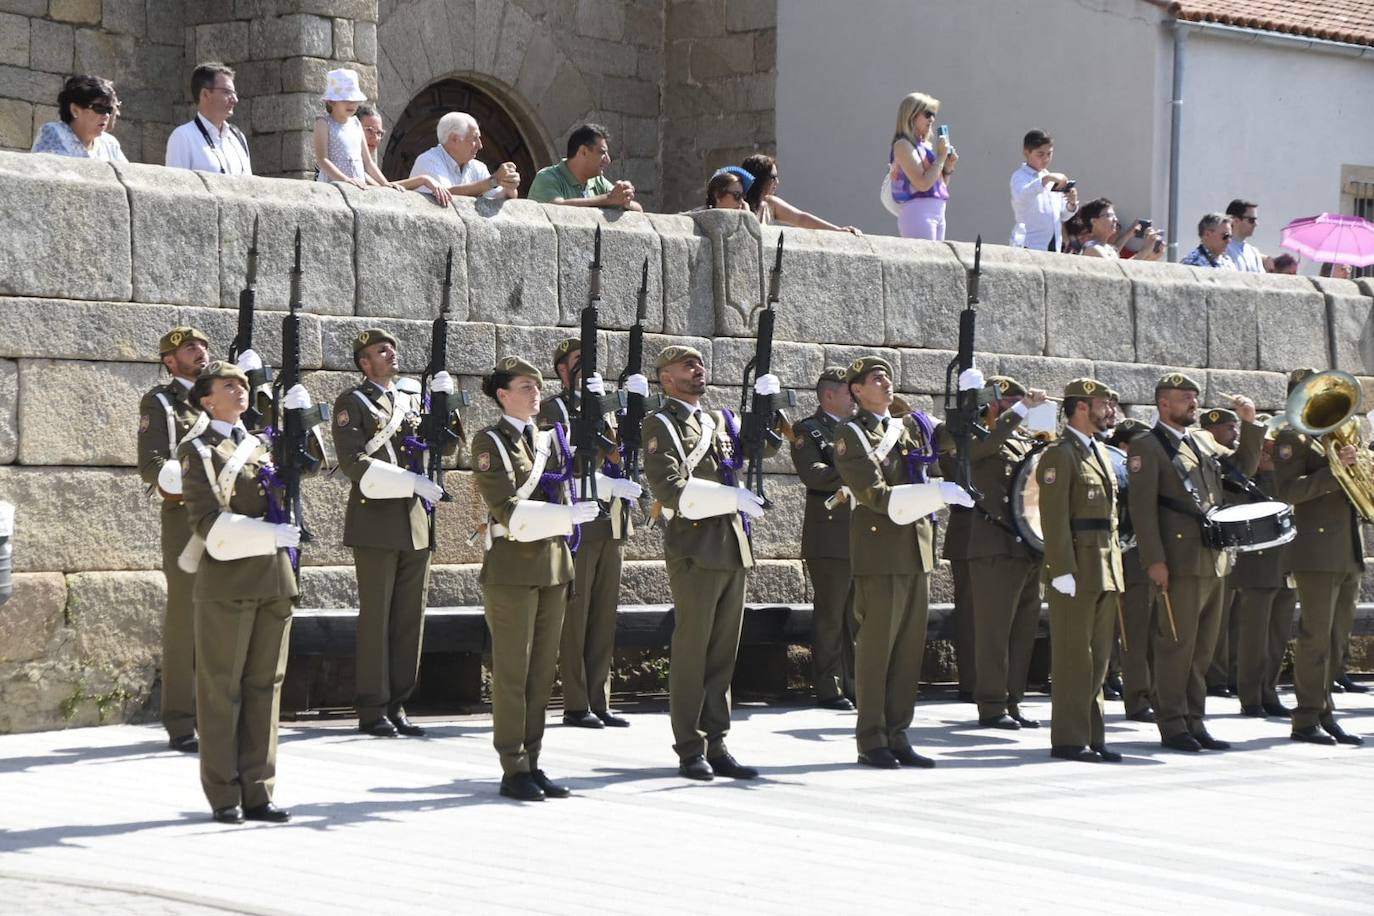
[
  {"x": 1041, "y": 200},
  {"x": 208, "y": 142},
  {"x": 455, "y": 165},
  {"x": 1245, "y": 256}
]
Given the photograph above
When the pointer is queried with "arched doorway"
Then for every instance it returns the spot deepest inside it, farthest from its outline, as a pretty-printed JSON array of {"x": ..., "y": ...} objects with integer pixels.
[{"x": 502, "y": 139}]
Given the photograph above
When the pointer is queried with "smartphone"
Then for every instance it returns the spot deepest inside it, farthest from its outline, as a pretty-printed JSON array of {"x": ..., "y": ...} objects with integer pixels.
[
  {"x": 1141, "y": 225},
  {"x": 1159, "y": 245},
  {"x": 943, "y": 131},
  {"x": 1069, "y": 186}
]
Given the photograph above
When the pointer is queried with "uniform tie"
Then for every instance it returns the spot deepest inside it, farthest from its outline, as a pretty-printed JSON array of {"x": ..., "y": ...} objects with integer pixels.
[
  {"x": 528, "y": 434},
  {"x": 237, "y": 435}
]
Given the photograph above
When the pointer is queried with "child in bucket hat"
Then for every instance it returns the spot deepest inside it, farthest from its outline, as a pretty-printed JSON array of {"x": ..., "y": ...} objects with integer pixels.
[{"x": 341, "y": 153}]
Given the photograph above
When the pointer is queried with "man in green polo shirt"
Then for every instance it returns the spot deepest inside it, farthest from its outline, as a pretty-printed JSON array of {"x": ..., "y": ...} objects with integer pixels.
[{"x": 578, "y": 180}]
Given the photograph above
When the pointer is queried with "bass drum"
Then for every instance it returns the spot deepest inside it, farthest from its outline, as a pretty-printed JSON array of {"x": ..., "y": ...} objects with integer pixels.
[{"x": 1025, "y": 502}]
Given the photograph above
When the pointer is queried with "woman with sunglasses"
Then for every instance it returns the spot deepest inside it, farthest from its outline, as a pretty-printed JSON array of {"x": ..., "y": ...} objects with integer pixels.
[
  {"x": 761, "y": 197},
  {"x": 87, "y": 106},
  {"x": 727, "y": 187}
]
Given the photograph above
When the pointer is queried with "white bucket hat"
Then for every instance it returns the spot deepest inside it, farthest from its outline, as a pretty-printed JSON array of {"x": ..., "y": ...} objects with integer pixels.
[{"x": 342, "y": 86}]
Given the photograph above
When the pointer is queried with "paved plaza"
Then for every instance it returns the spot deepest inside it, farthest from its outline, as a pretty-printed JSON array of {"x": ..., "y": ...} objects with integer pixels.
[{"x": 106, "y": 820}]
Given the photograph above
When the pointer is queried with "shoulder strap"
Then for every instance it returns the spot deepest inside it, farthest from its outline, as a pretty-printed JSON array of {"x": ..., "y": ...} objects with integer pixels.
[
  {"x": 210, "y": 474},
  {"x": 387, "y": 430}
]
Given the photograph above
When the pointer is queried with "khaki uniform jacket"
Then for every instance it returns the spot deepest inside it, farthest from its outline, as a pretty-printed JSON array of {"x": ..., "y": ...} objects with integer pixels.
[
  {"x": 717, "y": 542},
  {"x": 508, "y": 562},
  {"x": 825, "y": 532},
  {"x": 556, "y": 410},
  {"x": 995, "y": 460},
  {"x": 1329, "y": 538},
  {"x": 1172, "y": 537},
  {"x": 387, "y": 524},
  {"x": 877, "y": 545},
  {"x": 268, "y": 576},
  {"x": 1261, "y": 568},
  {"x": 154, "y": 449},
  {"x": 1075, "y": 486}
]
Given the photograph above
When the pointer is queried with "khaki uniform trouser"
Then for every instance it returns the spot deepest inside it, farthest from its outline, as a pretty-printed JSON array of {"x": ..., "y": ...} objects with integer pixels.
[
  {"x": 1081, "y": 632},
  {"x": 832, "y": 627},
  {"x": 178, "y": 628},
  {"x": 241, "y": 649},
  {"x": 892, "y": 614},
  {"x": 584, "y": 660},
  {"x": 964, "y": 652},
  {"x": 1264, "y": 618},
  {"x": 392, "y": 585},
  {"x": 1222, "y": 671},
  {"x": 1139, "y": 605},
  {"x": 525, "y": 623},
  {"x": 1328, "y": 614},
  {"x": 1006, "y": 608},
  {"x": 1180, "y": 667},
  {"x": 707, "y": 617}
]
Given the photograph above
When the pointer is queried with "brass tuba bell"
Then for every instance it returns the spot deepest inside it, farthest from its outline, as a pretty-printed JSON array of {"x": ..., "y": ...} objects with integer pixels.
[{"x": 1323, "y": 406}]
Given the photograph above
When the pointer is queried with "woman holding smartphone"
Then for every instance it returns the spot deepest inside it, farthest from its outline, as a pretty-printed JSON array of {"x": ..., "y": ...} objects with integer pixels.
[{"x": 921, "y": 169}]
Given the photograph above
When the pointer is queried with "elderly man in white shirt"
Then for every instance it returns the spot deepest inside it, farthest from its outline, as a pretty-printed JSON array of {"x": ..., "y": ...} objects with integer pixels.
[
  {"x": 1041, "y": 200},
  {"x": 1245, "y": 256},
  {"x": 208, "y": 142},
  {"x": 455, "y": 165}
]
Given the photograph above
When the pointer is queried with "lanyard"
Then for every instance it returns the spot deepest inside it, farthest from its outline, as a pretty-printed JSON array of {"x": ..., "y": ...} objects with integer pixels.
[{"x": 221, "y": 157}]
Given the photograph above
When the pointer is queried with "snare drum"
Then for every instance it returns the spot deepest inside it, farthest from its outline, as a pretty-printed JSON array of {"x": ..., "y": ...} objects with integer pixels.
[{"x": 1251, "y": 526}]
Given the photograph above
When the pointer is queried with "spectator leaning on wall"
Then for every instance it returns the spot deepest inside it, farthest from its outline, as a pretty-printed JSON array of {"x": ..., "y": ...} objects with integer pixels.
[
  {"x": 1246, "y": 257},
  {"x": 208, "y": 142},
  {"x": 454, "y": 165},
  {"x": 578, "y": 181},
  {"x": 1214, "y": 231}
]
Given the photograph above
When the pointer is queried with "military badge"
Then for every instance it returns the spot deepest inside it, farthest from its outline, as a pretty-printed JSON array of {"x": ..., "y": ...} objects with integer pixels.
[
  {"x": 1051, "y": 475},
  {"x": 840, "y": 447},
  {"x": 363, "y": 338},
  {"x": 175, "y": 338},
  {"x": 1285, "y": 452},
  {"x": 342, "y": 418},
  {"x": 1134, "y": 463},
  {"x": 143, "y": 423},
  {"x": 1092, "y": 494},
  {"x": 510, "y": 362},
  {"x": 484, "y": 461},
  {"x": 652, "y": 446},
  {"x": 186, "y": 465},
  {"x": 1089, "y": 386}
]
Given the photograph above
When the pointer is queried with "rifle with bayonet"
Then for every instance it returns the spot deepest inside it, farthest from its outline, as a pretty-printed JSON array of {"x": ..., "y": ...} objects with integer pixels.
[
  {"x": 589, "y": 409},
  {"x": 435, "y": 426},
  {"x": 259, "y": 380},
  {"x": 759, "y": 416},
  {"x": 632, "y": 421},
  {"x": 962, "y": 407}
]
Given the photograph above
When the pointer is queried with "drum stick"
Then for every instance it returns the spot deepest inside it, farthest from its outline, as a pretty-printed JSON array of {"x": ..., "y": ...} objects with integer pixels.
[
  {"x": 1169, "y": 609},
  {"x": 1121, "y": 621}
]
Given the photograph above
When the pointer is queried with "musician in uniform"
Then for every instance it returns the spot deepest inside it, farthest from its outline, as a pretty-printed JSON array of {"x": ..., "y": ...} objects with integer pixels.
[
  {"x": 1224, "y": 426},
  {"x": 584, "y": 659},
  {"x": 166, "y": 418},
  {"x": 825, "y": 542},
  {"x": 523, "y": 477},
  {"x": 886, "y": 462},
  {"x": 244, "y": 588},
  {"x": 1327, "y": 560},
  {"x": 691, "y": 460},
  {"x": 375, "y": 427},
  {"x": 1138, "y": 605},
  {"x": 1175, "y": 479},
  {"x": 1004, "y": 571}
]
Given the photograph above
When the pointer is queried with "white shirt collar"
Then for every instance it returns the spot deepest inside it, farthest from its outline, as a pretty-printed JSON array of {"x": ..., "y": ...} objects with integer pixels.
[
  {"x": 227, "y": 429},
  {"x": 692, "y": 409},
  {"x": 1176, "y": 433},
  {"x": 832, "y": 416},
  {"x": 518, "y": 424},
  {"x": 1086, "y": 440},
  {"x": 211, "y": 128},
  {"x": 189, "y": 385},
  {"x": 391, "y": 387}
]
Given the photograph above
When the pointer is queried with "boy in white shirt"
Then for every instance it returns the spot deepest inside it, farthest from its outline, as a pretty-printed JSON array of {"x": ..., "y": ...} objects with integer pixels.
[{"x": 1040, "y": 199}]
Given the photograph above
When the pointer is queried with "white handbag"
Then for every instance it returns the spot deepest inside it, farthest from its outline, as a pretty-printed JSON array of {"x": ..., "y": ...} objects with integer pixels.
[{"x": 885, "y": 195}]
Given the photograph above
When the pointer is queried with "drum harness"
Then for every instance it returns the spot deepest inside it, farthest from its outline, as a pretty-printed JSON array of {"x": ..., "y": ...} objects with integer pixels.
[{"x": 1227, "y": 471}]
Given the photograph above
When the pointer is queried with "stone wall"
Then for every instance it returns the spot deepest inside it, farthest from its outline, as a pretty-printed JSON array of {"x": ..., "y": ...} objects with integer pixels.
[{"x": 110, "y": 257}]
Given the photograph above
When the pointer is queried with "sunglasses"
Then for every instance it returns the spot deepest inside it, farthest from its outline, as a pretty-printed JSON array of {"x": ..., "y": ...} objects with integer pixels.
[
  {"x": 102, "y": 108},
  {"x": 737, "y": 195},
  {"x": 1226, "y": 236}
]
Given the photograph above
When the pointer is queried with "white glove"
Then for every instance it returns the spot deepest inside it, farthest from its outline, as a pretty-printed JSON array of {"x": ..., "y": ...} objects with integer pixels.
[
  {"x": 287, "y": 535},
  {"x": 637, "y": 384},
  {"x": 595, "y": 385},
  {"x": 250, "y": 361},
  {"x": 427, "y": 489},
  {"x": 1065, "y": 584},
  {"x": 746, "y": 499},
  {"x": 442, "y": 383},
  {"x": 297, "y": 398},
  {"x": 584, "y": 512},
  {"x": 767, "y": 384},
  {"x": 625, "y": 489},
  {"x": 971, "y": 379},
  {"x": 952, "y": 493}
]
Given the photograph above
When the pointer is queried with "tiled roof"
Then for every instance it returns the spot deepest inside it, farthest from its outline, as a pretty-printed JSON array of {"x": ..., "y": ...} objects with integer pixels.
[{"x": 1349, "y": 21}]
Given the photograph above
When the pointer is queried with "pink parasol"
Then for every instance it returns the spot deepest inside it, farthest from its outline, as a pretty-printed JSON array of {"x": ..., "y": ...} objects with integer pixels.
[{"x": 1331, "y": 237}]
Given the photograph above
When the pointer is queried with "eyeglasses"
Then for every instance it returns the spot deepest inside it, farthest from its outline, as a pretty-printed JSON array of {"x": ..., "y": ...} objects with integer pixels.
[
  {"x": 374, "y": 131},
  {"x": 102, "y": 108},
  {"x": 737, "y": 195},
  {"x": 228, "y": 91}
]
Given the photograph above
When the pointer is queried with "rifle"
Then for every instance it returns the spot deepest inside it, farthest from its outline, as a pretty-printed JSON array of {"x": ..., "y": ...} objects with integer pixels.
[
  {"x": 961, "y": 407},
  {"x": 757, "y": 422},
  {"x": 292, "y": 427},
  {"x": 259, "y": 380},
  {"x": 589, "y": 411},
  {"x": 434, "y": 425},
  {"x": 631, "y": 424}
]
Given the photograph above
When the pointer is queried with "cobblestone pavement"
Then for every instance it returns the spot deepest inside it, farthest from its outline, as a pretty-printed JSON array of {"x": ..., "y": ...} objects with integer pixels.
[{"x": 106, "y": 820}]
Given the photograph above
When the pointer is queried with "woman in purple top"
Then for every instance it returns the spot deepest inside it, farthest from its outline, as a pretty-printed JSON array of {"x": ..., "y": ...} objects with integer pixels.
[{"x": 920, "y": 170}]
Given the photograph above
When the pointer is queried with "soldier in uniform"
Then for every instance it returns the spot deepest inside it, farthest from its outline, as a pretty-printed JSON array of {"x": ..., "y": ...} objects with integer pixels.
[
  {"x": 166, "y": 419},
  {"x": 1327, "y": 560},
  {"x": 244, "y": 588},
  {"x": 1224, "y": 426},
  {"x": 1138, "y": 605},
  {"x": 522, "y": 475},
  {"x": 1175, "y": 479},
  {"x": 1083, "y": 568},
  {"x": 387, "y": 526},
  {"x": 885, "y": 463},
  {"x": 691, "y": 460},
  {"x": 955, "y": 549},
  {"x": 825, "y": 542},
  {"x": 1004, "y": 571},
  {"x": 584, "y": 659}
]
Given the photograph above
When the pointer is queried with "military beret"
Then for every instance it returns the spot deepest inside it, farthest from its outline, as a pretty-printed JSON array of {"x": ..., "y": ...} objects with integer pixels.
[
  {"x": 514, "y": 365},
  {"x": 565, "y": 346},
  {"x": 866, "y": 364},
  {"x": 1297, "y": 376},
  {"x": 832, "y": 374},
  {"x": 1126, "y": 429},
  {"x": 1086, "y": 388},
  {"x": 372, "y": 336},
  {"x": 1113, "y": 395},
  {"x": 1177, "y": 381},
  {"x": 223, "y": 368},
  {"x": 676, "y": 353},
  {"x": 178, "y": 336},
  {"x": 1218, "y": 415},
  {"x": 1007, "y": 387}
]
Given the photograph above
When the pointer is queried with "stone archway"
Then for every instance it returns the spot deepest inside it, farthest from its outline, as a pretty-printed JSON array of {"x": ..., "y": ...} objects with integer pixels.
[{"x": 502, "y": 138}]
